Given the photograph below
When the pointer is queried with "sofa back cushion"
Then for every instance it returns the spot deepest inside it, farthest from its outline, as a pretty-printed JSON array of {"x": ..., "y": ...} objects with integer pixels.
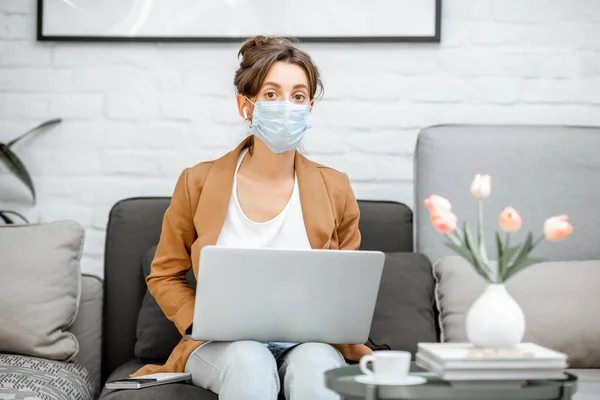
[
  {"x": 40, "y": 287},
  {"x": 134, "y": 228},
  {"x": 539, "y": 170}
]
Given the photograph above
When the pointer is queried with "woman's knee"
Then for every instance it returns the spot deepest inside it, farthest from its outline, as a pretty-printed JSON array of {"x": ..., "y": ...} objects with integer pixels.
[
  {"x": 250, "y": 355},
  {"x": 315, "y": 356}
]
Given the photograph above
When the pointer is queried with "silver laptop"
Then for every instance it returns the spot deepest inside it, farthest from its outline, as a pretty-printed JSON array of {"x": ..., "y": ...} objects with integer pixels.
[{"x": 286, "y": 295}]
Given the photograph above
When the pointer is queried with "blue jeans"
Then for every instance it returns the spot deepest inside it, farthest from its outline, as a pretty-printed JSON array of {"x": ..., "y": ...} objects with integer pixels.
[{"x": 247, "y": 370}]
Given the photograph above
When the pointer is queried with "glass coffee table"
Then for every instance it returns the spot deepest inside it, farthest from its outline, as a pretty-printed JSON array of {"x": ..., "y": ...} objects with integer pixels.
[{"x": 342, "y": 381}]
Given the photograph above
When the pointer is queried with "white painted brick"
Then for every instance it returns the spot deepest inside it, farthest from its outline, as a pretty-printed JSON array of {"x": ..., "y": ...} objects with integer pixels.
[
  {"x": 17, "y": 26},
  {"x": 64, "y": 163},
  {"x": 157, "y": 136},
  {"x": 435, "y": 90},
  {"x": 71, "y": 135},
  {"x": 90, "y": 55},
  {"x": 541, "y": 10},
  {"x": 521, "y": 114},
  {"x": 224, "y": 111},
  {"x": 133, "y": 105},
  {"x": 467, "y": 10},
  {"x": 93, "y": 252},
  {"x": 24, "y": 54},
  {"x": 185, "y": 106},
  {"x": 36, "y": 80},
  {"x": 102, "y": 78},
  {"x": 398, "y": 142},
  {"x": 206, "y": 136},
  {"x": 493, "y": 90},
  {"x": 17, "y": 7},
  {"x": 372, "y": 115},
  {"x": 18, "y": 106},
  {"x": 60, "y": 210},
  {"x": 76, "y": 106},
  {"x": 213, "y": 84},
  {"x": 11, "y": 129},
  {"x": 554, "y": 91},
  {"x": 565, "y": 36},
  {"x": 198, "y": 57},
  {"x": 170, "y": 81},
  {"x": 326, "y": 140},
  {"x": 399, "y": 58},
  {"x": 353, "y": 86},
  {"x": 488, "y": 33},
  {"x": 130, "y": 163},
  {"x": 589, "y": 64},
  {"x": 486, "y": 62}
]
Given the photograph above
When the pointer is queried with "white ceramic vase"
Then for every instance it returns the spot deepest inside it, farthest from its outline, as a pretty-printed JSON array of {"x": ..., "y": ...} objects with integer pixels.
[{"x": 495, "y": 320}]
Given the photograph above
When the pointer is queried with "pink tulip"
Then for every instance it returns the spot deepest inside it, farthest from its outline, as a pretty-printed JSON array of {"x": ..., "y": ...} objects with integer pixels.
[
  {"x": 557, "y": 228},
  {"x": 481, "y": 186},
  {"x": 510, "y": 220},
  {"x": 435, "y": 202},
  {"x": 443, "y": 221}
]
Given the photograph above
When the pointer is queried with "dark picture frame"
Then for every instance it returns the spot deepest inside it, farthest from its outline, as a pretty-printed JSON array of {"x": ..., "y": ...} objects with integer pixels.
[{"x": 42, "y": 35}]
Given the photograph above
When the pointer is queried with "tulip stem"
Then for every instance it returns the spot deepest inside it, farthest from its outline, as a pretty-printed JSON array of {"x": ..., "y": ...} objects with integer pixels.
[
  {"x": 533, "y": 246},
  {"x": 480, "y": 240}
]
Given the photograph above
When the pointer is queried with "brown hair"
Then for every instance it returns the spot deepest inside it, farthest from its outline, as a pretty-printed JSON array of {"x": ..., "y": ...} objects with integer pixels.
[{"x": 260, "y": 53}]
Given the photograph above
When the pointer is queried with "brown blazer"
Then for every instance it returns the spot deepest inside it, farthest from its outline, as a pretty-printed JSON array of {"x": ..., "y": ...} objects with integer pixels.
[{"x": 195, "y": 217}]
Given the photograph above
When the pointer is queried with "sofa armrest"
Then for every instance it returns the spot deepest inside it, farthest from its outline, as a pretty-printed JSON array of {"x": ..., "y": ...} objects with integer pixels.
[{"x": 88, "y": 326}]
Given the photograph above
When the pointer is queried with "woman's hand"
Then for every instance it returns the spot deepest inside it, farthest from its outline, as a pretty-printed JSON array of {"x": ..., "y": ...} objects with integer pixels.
[{"x": 353, "y": 352}]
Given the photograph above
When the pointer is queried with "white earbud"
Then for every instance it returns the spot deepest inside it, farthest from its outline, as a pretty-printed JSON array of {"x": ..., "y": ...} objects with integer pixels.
[{"x": 245, "y": 113}]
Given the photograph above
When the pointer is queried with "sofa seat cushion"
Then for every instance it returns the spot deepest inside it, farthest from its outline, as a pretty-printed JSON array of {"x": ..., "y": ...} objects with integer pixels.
[
  {"x": 588, "y": 384},
  {"x": 179, "y": 391},
  {"x": 33, "y": 378}
]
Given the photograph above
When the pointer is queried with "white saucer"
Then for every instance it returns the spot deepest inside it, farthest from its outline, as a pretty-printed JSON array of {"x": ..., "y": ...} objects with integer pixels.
[{"x": 408, "y": 381}]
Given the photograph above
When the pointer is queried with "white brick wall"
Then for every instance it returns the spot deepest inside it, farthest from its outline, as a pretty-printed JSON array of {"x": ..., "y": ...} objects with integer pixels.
[{"x": 136, "y": 114}]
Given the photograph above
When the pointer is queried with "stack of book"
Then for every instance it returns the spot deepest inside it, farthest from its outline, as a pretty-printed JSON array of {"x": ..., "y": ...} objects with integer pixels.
[{"x": 462, "y": 362}]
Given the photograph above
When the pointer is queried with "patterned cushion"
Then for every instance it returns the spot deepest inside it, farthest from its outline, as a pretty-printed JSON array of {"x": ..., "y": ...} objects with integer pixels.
[{"x": 35, "y": 378}]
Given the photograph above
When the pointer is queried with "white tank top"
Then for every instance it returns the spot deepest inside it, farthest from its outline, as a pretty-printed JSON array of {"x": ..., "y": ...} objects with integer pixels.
[{"x": 285, "y": 231}]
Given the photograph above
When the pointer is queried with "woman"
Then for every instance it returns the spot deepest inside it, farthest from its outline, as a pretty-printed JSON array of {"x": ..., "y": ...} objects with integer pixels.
[{"x": 263, "y": 194}]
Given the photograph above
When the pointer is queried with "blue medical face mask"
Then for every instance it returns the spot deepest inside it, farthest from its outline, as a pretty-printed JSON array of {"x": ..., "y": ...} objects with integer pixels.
[{"x": 280, "y": 124}]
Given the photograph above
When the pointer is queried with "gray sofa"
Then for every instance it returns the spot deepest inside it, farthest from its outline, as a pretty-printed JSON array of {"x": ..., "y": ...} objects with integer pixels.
[{"x": 134, "y": 228}]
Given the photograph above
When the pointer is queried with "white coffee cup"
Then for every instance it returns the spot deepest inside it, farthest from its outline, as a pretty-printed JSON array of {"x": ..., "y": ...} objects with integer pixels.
[{"x": 388, "y": 366}]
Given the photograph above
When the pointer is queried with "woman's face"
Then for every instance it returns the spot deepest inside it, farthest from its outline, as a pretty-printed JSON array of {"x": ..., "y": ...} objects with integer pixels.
[{"x": 284, "y": 81}]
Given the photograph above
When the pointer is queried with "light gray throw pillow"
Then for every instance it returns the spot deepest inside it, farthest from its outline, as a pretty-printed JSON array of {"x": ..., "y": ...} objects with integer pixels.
[
  {"x": 559, "y": 299},
  {"x": 40, "y": 286}
]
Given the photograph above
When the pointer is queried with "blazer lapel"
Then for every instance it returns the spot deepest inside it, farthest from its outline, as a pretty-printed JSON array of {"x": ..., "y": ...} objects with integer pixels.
[
  {"x": 316, "y": 205},
  {"x": 214, "y": 199}
]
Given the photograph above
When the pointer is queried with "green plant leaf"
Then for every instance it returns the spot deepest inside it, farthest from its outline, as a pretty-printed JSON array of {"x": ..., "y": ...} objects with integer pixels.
[
  {"x": 7, "y": 220},
  {"x": 6, "y": 213},
  {"x": 472, "y": 246},
  {"x": 524, "y": 250},
  {"x": 462, "y": 251},
  {"x": 522, "y": 253},
  {"x": 40, "y": 126},
  {"x": 510, "y": 253},
  {"x": 16, "y": 166},
  {"x": 500, "y": 251},
  {"x": 521, "y": 266}
]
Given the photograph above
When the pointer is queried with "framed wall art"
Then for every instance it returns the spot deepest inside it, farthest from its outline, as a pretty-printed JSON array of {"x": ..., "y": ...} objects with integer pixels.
[{"x": 235, "y": 20}]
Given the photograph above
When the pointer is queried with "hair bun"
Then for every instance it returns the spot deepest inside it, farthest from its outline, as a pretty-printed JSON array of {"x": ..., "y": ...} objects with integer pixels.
[{"x": 259, "y": 42}]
